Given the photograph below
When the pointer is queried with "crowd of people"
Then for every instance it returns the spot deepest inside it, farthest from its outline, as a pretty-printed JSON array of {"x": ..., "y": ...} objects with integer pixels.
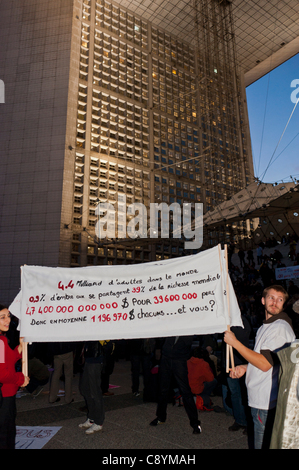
[
  {"x": 250, "y": 278},
  {"x": 185, "y": 370}
]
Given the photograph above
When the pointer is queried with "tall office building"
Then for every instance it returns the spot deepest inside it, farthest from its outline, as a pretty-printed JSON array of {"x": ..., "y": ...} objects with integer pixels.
[{"x": 101, "y": 106}]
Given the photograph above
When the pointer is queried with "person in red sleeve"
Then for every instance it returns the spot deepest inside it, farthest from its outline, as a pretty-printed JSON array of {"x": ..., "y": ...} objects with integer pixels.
[
  {"x": 10, "y": 381},
  {"x": 201, "y": 379}
]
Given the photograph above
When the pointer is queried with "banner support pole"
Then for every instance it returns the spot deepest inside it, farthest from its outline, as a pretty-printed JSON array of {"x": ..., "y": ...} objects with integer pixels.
[
  {"x": 229, "y": 349},
  {"x": 25, "y": 359},
  {"x": 24, "y": 351}
]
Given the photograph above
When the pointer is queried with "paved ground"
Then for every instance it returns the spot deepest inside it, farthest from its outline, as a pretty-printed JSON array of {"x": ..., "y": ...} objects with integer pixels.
[{"x": 127, "y": 421}]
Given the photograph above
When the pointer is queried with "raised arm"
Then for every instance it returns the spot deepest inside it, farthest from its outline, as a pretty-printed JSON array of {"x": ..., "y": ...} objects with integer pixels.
[{"x": 256, "y": 359}]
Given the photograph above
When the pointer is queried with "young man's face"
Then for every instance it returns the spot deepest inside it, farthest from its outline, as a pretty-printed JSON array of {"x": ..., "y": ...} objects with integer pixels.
[{"x": 273, "y": 302}]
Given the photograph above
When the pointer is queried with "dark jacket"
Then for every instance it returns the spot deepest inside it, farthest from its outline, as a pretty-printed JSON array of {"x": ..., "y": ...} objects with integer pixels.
[
  {"x": 56, "y": 349},
  {"x": 93, "y": 352},
  {"x": 242, "y": 335},
  {"x": 177, "y": 347},
  {"x": 142, "y": 347}
]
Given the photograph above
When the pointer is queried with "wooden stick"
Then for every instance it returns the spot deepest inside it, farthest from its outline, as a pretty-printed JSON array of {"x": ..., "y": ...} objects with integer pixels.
[
  {"x": 232, "y": 357},
  {"x": 228, "y": 326},
  {"x": 227, "y": 358},
  {"x": 229, "y": 355},
  {"x": 25, "y": 359},
  {"x": 24, "y": 351},
  {"x": 229, "y": 349}
]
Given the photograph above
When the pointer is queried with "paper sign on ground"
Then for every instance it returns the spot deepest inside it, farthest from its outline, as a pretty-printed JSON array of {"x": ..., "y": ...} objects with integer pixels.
[{"x": 34, "y": 437}]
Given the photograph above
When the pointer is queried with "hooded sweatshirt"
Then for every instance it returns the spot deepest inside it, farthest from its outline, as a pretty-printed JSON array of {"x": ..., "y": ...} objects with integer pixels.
[{"x": 10, "y": 379}]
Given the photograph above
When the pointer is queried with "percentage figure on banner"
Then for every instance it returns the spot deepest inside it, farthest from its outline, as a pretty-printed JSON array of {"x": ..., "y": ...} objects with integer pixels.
[
  {"x": 138, "y": 290},
  {"x": 37, "y": 298}
]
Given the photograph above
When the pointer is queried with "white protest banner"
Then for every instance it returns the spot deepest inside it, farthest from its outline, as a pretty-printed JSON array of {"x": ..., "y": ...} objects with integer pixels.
[
  {"x": 181, "y": 296},
  {"x": 290, "y": 272}
]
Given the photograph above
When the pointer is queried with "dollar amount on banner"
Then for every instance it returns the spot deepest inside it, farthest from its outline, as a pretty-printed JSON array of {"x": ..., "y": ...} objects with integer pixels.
[
  {"x": 50, "y": 309},
  {"x": 171, "y": 298},
  {"x": 106, "y": 317},
  {"x": 70, "y": 309}
]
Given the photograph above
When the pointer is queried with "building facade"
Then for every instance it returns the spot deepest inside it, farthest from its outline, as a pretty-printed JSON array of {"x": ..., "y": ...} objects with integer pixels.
[{"x": 103, "y": 107}]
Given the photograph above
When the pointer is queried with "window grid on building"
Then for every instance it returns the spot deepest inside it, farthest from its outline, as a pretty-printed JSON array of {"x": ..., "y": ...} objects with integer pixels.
[{"x": 134, "y": 77}]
